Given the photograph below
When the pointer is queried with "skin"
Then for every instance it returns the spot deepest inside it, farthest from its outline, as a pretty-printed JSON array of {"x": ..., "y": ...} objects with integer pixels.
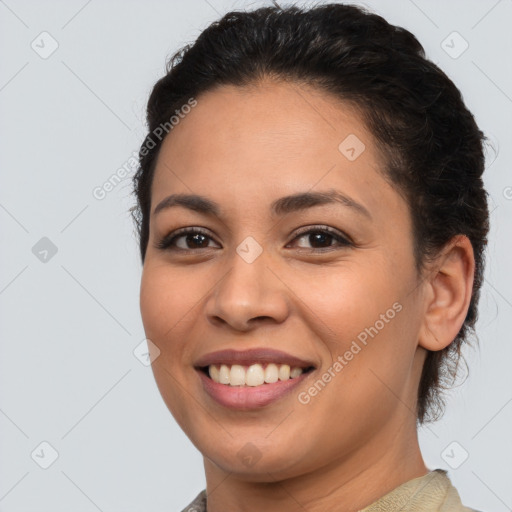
[{"x": 355, "y": 440}]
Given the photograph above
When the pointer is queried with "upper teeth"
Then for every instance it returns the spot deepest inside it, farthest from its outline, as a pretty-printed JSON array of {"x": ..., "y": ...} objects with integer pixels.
[{"x": 254, "y": 375}]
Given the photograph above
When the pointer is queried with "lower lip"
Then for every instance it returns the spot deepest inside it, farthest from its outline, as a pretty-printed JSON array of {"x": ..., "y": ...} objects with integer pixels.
[{"x": 249, "y": 397}]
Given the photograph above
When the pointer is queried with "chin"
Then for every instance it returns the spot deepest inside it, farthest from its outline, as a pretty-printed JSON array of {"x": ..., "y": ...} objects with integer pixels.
[{"x": 257, "y": 464}]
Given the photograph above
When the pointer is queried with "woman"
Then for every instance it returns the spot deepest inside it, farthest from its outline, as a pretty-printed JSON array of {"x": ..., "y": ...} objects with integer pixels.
[{"x": 312, "y": 225}]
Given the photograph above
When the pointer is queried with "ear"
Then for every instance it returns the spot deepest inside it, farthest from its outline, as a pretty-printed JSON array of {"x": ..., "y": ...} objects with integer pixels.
[{"x": 448, "y": 294}]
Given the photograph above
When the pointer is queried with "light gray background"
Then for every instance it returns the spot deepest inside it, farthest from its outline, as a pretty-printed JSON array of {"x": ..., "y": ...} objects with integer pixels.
[{"x": 70, "y": 324}]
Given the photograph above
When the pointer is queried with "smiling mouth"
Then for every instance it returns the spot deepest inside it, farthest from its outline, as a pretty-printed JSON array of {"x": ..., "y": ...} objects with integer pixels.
[{"x": 257, "y": 374}]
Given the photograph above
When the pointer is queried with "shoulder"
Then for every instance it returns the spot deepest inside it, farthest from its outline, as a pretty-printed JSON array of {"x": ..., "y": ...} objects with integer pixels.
[
  {"x": 451, "y": 501},
  {"x": 198, "y": 504}
]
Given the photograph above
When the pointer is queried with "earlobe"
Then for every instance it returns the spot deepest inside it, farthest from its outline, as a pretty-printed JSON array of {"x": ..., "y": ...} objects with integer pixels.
[{"x": 450, "y": 286}]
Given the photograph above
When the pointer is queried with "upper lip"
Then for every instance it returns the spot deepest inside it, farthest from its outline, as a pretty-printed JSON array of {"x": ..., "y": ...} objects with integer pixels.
[{"x": 251, "y": 356}]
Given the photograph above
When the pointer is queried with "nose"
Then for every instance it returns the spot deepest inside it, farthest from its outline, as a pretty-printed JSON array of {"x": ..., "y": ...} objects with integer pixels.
[{"x": 248, "y": 294}]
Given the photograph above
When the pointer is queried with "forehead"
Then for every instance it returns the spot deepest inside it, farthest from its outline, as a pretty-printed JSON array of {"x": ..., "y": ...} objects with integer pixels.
[{"x": 244, "y": 144}]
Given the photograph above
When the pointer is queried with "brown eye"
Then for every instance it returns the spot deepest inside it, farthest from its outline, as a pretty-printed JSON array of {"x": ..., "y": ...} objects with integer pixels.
[
  {"x": 196, "y": 241},
  {"x": 321, "y": 238},
  {"x": 185, "y": 240}
]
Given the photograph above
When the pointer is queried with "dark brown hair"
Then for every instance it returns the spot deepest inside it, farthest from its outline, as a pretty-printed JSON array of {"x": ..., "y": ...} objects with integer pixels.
[{"x": 432, "y": 146}]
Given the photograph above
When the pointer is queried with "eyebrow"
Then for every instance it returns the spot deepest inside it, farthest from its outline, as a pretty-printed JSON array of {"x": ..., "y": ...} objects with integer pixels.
[{"x": 282, "y": 206}]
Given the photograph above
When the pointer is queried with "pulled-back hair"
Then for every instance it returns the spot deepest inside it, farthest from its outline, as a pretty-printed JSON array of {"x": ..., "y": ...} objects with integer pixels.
[{"x": 432, "y": 147}]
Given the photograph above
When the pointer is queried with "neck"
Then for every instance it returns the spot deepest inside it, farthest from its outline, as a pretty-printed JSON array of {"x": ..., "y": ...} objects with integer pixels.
[{"x": 350, "y": 483}]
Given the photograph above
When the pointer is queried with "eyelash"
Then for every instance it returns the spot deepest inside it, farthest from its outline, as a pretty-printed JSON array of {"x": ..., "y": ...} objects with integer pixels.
[{"x": 167, "y": 242}]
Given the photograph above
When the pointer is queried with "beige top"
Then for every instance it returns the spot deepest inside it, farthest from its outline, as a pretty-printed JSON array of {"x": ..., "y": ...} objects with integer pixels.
[{"x": 432, "y": 492}]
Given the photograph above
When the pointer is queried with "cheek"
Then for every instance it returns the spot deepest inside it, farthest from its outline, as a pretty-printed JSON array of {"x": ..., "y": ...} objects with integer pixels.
[
  {"x": 342, "y": 302},
  {"x": 166, "y": 308},
  {"x": 165, "y": 302},
  {"x": 365, "y": 316}
]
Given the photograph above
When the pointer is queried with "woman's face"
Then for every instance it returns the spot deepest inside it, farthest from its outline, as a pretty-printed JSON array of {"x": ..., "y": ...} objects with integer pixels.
[{"x": 313, "y": 281}]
